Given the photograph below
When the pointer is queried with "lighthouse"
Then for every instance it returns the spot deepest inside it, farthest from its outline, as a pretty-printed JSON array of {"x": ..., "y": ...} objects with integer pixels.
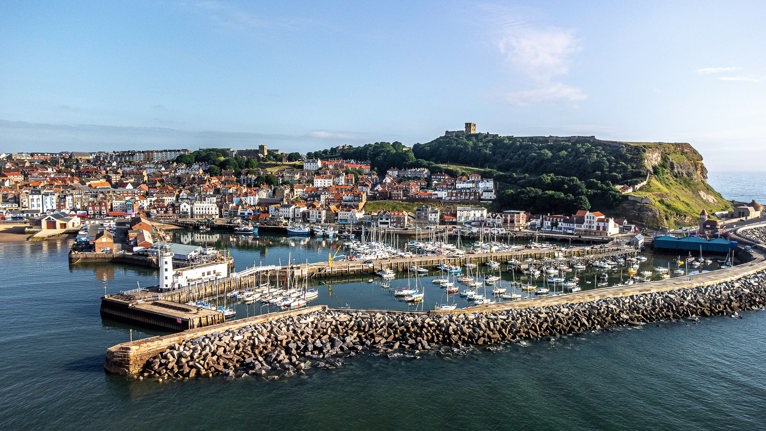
[{"x": 166, "y": 269}]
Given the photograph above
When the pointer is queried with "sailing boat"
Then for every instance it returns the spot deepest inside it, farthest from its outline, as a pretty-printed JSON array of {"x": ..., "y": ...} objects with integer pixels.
[
  {"x": 447, "y": 306},
  {"x": 418, "y": 295}
]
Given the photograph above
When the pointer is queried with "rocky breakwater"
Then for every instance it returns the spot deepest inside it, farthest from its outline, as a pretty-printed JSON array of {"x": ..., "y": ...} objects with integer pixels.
[
  {"x": 756, "y": 234},
  {"x": 324, "y": 339}
]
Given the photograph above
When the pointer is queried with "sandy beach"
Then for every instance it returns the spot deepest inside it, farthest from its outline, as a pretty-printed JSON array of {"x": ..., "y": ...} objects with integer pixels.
[{"x": 12, "y": 233}]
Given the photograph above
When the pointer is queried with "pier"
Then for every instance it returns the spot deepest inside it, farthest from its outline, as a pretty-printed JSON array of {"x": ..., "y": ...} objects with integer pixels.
[{"x": 158, "y": 313}]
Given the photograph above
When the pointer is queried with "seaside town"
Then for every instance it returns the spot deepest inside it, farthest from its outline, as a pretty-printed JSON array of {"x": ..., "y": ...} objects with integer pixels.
[
  {"x": 58, "y": 192},
  {"x": 221, "y": 214},
  {"x": 436, "y": 229}
]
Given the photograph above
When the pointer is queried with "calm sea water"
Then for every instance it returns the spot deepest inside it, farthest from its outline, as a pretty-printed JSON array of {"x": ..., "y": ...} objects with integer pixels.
[
  {"x": 740, "y": 186},
  {"x": 688, "y": 375}
]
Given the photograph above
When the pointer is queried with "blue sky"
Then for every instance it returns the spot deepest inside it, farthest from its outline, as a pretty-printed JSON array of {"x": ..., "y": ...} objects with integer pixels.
[{"x": 300, "y": 76}]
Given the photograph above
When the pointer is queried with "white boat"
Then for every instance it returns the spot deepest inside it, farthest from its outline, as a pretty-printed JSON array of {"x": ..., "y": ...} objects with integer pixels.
[
  {"x": 491, "y": 279},
  {"x": 493, "y": 264},
  {"x": 499, "y": 290},
  {"x": 440, "y": 281},
  {"x": 247, "y": 297},
  {"x": 480, "y": 300},
  {"x": 244, "y": 229},
  {"x": 511, "y": 296},
  {"x": 297, "y": 229},
  {"x": 419, "y": 269},
  {"x": 228, "y": 312},
  {"x": 601, "y": 265},
  {"x": 464, "y": 279},
  {"x": 579, "y": 267},
  {"x": 646, "y": 274},
  {"x": 542, "y": 291},
  {"x": 405, "y": 292},
  {"x": 386, "y": 274},
  {"x": 415, "y": 297},
  {"x": 445, "y": 307},
  {"x": 571, "y": 287},
  {"x": 311, "y": 294}
]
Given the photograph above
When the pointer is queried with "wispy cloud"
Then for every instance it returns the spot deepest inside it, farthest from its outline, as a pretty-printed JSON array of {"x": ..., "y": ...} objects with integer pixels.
[
  {"x": 717, "y": 70},
  {"x": 541, "y": 55},
  {"x": 739, "y": 78},
  {"x": 725, "y": 74}
]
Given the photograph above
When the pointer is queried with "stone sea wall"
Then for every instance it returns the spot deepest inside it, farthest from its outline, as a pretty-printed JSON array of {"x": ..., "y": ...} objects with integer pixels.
[{"x": 296, "y": 343}]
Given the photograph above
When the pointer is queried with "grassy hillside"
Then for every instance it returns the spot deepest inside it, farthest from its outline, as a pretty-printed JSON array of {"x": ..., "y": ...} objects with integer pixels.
[{"x": 677, "y": 189}]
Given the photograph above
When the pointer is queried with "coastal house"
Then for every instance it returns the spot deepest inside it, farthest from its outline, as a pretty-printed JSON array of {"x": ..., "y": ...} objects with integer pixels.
[
  {"x": 515, "y": 219},
  {"x": 349, "y": 215},
  {"x": 596, "y": 223},
  {"x": 59, "y": 221},
  {"x": 470, "y": 214},
  {"x": 390, "y": 219},
  {"x": 205, "y": 209},
  {"x": 105, "y": 243},
  {"x": 428, "y": 214}
]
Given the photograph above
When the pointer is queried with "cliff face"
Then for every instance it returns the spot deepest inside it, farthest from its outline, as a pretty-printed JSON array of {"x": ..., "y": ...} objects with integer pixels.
[{"x": 677, "y": 189}]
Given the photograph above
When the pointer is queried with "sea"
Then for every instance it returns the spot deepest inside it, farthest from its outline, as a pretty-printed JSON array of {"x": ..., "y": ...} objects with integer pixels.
[{"x": 706, "y": 374}]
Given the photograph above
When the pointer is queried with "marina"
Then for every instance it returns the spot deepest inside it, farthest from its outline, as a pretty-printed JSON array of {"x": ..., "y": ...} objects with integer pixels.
[{"x": 413, "y": 282}]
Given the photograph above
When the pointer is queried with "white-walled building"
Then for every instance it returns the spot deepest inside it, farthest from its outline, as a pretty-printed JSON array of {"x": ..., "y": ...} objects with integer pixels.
[
  {"x": 321, "y": 181},
  {"x": 347, "y": 215},
  {"x": 205, "y": 209},
  {"x": 179, "y": 278},
  {"x": 312, "y": 165},
  {"x": 470, "y": 214}
]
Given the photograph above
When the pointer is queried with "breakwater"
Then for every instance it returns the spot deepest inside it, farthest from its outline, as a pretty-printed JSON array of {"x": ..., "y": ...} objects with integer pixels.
[
  {"x": 323, "y": 339},
  {"x": 286, "y": 344}
]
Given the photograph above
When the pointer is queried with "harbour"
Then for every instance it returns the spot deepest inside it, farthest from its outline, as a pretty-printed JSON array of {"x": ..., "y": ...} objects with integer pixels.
[
  {"x": 492, "y": 378},
  {"x": 253, "y": 277}
]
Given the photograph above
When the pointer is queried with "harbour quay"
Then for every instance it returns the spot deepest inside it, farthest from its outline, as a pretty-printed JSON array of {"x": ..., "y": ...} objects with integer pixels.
[{"x": 157, "y": 313}]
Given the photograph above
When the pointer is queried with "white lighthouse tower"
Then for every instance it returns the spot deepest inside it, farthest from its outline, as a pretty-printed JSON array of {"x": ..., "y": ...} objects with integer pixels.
[{"x": 166, "y": 269}]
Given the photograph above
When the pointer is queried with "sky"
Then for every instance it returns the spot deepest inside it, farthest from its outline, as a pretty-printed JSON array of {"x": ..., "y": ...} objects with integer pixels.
[{"x": 301, "y": 76}]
